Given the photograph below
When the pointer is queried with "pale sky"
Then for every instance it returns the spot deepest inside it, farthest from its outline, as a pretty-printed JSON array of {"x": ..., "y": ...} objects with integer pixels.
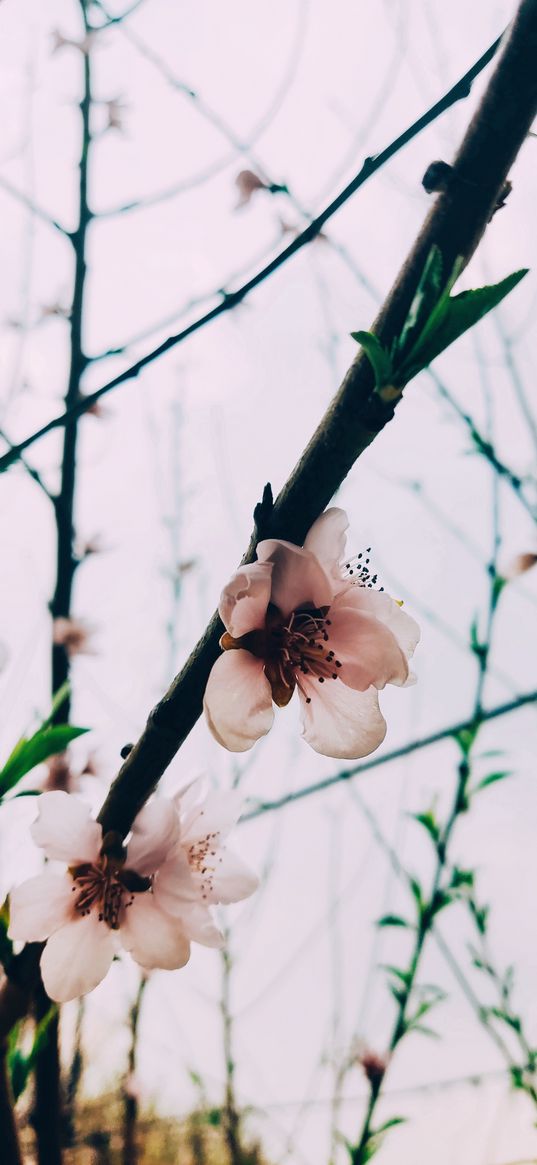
[{"x": 172, "y": 473}]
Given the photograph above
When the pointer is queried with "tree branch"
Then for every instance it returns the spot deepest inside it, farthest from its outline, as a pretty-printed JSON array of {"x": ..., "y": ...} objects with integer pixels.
[
  {"x": 455, "y": 223},
  {"x": 230, "y": 299},
  {"x": 30, "y": 205}
]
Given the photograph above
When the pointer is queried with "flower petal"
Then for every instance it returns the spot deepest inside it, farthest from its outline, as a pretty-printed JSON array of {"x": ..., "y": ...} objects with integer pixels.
[
  {"x": 65, "y": 829},
  {"x": 232, "y": 879},
  {"x": 40, "y": 906},
  {"x": 243, "y": 603},
  {"x": 218, "y": 813},
  {"x": 365, "y": 647},
  {"x": 298, "y": 578},
  {"x": 238, "y": 701},
  {"x": 341, "y": 722},
  {"x": 174, "y": 887},
  {"x": 327, "y": 539},
  {"x": 383, "y": 607},
  {"x": 155, "y": 832},
  {"x": 200, "y": 927},
  {"x": 153, "y": 938},
  {"x": 77, "y": 957}
]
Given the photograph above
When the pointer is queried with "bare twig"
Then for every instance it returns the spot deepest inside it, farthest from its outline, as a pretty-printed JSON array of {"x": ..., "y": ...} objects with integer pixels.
[
  {"x": 475, "y": 191},
  {"x": 32, "y": 206},
  {"x": 387, "y": 757}
]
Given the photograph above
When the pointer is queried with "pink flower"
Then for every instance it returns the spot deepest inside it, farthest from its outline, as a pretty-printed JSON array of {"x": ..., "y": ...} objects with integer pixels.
[
  {"x": 72, "y": 634},
  {"x": 520, "y": 564},
  {"x": 248, "y": 183},
  {"x": 296, "y": 619},
  {"x": 152, "y": 896}
]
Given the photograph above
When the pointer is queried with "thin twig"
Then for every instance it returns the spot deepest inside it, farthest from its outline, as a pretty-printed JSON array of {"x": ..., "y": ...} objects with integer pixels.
[
  {"x": 385, "y": 758},
  {"x": 32, "y": 206},
  {"x": 230, "y": 300}
]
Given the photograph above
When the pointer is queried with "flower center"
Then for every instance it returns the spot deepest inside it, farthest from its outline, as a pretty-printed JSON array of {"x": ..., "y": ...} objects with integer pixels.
[
  {"x": 106, "y": 885},
  {"x": 291, "y": 648},
  {"x": 301, "y": 647}
]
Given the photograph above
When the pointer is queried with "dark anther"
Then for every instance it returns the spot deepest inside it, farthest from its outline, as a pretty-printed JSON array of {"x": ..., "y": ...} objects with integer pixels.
[{"x": 127, "y": 748}]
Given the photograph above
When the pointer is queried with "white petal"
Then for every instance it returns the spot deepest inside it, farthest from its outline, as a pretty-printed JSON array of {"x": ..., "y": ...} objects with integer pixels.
[
  {"x": 298, "y": 578},
  {"x": 154, "y": 834},
  {"x": 153, "y": 938},
  {"x": 40, "y": 906},
  {"x": 217, "y": 813},
  {"x": 232, "y": 880},
  {"x": 65, "y": 829},
  {"x": 174, "y": 887},
  {"x": 77, "y": 957},
  {"x": 341, "y": 722},
  {"x": 200, "y": 927},
  {"x": 244, "y": 601},
  {"x": 327, "y": 539},
  {"x": 238, "y": 701},
  {"x": 383, "y": 607}
]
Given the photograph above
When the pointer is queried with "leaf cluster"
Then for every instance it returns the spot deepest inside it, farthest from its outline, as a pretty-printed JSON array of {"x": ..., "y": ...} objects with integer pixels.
[{"x": 434, "y": 321}]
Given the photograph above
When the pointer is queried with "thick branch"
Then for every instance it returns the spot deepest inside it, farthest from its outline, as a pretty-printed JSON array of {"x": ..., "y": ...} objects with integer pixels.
[
  {"x": 455, "y": 224},
  {"x": 229, "y": 300}
]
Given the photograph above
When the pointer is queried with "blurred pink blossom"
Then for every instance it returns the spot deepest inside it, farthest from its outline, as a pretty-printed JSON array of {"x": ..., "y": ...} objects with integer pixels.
[
  {"x": 248, "y": 183},
  {"x": 72, "y": 634},
  {"x": 520, "y": 564}
]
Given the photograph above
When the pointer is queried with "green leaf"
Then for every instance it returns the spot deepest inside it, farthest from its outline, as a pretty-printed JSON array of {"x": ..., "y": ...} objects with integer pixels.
[
  {"x": 423, "y": 1008},
  {"x": 58, "y": 700},
  {"x": 429, "y": 823},
  {"x": 416, "y": 890},
  {"x": 47, "y": 741},
  {"x": 426, "y": 297},
  {"x": 20, "y": 1065},
  {"x": 405, "y": 977},
  {"x": 462, "y": 877},
  {"x": 492, "y": 778},
  {"x": 452, "y": 316},
  {"x": 378, "y": 356},
  {"x": 389, "y": 1124},
  {"x": 423, "y": 1030},
  {"x": 213, "y": 1117},
  {"x": 517, "y": 1076},
  {"x": 392, "y": 920},
  {"x": 466, "y": 737},
  {"x": 512, "y": 1021}
]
